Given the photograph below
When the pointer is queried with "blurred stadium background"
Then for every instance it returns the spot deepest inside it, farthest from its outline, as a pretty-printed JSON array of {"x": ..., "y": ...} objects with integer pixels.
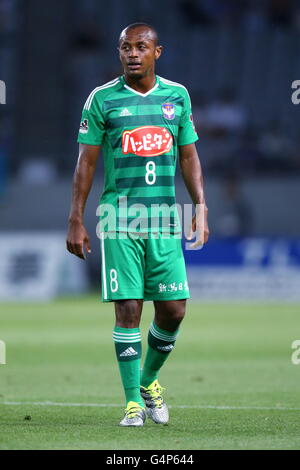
[{"x": 238, "y": 60}]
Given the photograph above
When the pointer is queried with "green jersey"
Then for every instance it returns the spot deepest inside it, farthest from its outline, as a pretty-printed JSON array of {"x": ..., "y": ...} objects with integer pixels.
[{"x": 139, "y": 134}]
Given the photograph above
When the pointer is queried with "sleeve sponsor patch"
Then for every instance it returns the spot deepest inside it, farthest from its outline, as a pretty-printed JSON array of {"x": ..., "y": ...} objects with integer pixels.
[{"x": 84, "y": 127}]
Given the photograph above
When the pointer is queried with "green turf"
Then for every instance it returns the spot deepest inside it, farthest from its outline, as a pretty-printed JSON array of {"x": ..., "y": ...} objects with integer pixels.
[{"x": 226, "y": 355}]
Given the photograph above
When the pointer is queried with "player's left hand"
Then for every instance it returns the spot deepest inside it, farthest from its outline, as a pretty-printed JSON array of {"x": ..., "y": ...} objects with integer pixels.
[{"x": 199, "y": 227}]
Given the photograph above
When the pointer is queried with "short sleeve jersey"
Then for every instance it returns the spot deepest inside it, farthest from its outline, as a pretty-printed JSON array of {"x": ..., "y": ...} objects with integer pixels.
[{"x": 139, "y": 134}]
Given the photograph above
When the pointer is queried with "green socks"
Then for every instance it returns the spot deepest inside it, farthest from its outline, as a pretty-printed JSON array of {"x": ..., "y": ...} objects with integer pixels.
[
  {"x": 160, "y": 344},
  {"x": 128, "y": 350}
]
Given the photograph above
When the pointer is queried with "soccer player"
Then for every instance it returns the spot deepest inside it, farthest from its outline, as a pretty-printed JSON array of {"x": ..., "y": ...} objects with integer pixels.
[{"x": 141, "y": 121}]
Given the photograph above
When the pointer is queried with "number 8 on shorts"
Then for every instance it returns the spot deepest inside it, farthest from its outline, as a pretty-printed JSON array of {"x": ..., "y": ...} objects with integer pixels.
[{"x": 113, "y": 280}]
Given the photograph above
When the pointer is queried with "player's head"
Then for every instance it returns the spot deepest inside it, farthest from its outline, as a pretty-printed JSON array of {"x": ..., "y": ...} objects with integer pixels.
[{"x": 139, "y": 49}]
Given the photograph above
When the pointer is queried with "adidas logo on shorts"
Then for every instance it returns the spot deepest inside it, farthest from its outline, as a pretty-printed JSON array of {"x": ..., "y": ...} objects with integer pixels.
[
  {"x": 128, "y": 352},
  {"x": 167, "y": 348}
]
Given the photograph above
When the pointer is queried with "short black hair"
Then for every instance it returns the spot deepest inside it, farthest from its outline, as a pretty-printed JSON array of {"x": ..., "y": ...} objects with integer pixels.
[{"x": 145, "y": 25}]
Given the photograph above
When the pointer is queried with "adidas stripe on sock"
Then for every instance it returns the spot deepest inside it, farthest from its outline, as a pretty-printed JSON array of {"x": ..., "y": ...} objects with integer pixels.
[
  {"x": 128, "y": 348},
  {"x": 160, "y": 344}
]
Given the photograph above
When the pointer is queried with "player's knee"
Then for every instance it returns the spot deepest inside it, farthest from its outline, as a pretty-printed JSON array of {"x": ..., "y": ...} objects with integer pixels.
[
  {"x": 177, "y": 314},
  {"x": 128, "y": 313},
  {"x": 174, "y": 312}
]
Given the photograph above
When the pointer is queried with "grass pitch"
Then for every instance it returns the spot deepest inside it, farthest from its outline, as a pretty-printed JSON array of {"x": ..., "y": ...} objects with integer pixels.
[{"x": 231, "y": 367}]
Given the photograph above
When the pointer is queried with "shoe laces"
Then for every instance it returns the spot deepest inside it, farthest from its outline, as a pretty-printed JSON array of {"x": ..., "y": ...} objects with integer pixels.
[
  {"x": 132, "y": 410},
  {"x": 155, "y": 393}
]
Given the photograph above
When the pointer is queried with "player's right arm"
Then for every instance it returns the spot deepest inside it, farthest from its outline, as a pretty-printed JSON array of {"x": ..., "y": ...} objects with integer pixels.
[{"x": 78, "y": 238}]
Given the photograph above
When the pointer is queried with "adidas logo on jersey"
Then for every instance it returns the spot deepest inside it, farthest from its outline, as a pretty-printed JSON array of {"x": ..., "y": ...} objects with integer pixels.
[
  {"x": 128, "y": 352},
  {"x": 167, "y": 348},
  {"x": 125, "y": 112}
]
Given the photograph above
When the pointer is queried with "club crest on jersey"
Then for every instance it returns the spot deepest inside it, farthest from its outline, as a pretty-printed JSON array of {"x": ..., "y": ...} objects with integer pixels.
[
  {"x": 147, "y": 141},
  {"x": 168, "y": 110},
  {"x": 83, "y": 128}
]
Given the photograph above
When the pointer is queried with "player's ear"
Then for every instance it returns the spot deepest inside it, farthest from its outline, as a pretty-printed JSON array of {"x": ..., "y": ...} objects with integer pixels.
[
  {"x": 119, "y": 53},
  {"x": 158, "y": 51}
]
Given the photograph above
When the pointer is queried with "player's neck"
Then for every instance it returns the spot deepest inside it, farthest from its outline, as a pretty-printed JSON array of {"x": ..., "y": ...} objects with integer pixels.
[{"x": 142, "y": 85}]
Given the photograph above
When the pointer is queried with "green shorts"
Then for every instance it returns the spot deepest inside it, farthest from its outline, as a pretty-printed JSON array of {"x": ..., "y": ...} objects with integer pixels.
[{"x": 143, "y": 268}]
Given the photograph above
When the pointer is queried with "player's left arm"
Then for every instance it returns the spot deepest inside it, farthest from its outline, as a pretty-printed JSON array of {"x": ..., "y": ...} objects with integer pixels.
[{"x": 193, "y": 178}]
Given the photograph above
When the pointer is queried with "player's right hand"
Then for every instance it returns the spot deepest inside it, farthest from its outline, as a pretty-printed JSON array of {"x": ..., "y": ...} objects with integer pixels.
[
  {"x": 78, "y": 240},
  {"x": 199, "y": 227}
]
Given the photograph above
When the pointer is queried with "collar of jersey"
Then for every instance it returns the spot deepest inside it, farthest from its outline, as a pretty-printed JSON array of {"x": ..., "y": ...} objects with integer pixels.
[{"x": 137, "y": 92}]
